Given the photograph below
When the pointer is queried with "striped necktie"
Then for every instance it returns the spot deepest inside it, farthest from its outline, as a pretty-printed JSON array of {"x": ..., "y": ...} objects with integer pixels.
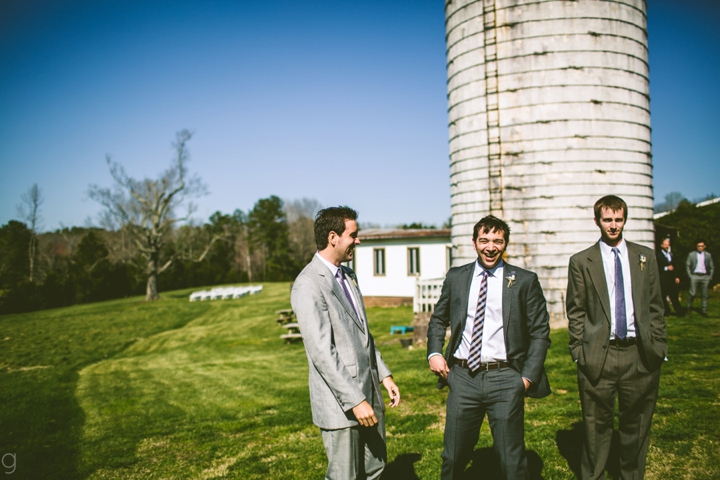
[{"x": 477, "y": 332}]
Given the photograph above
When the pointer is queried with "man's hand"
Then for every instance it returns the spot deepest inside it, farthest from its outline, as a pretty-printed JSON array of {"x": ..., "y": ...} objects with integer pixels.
[
  {"x": 677, "y": 281},
  {"x": 365, "y": 414},
  {"x": 393, "y": 391},
  {"x": 527, "y": 384},
  {"x": 670, "y": 268},
  {"x": 439, "y": 366}
]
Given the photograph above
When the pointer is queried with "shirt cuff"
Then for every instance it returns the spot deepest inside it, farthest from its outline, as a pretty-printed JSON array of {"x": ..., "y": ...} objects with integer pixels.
[{"x": 432, "y": 355}]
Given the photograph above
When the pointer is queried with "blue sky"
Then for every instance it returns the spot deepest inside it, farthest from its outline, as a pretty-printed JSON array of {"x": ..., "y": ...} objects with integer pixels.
[{"x": 339, "y": 101}]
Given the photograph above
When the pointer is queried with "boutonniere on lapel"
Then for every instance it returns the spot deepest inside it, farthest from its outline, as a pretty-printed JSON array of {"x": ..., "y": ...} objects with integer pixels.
[
  {"x": 352, "y": 277},
  {"x": 642, "y": 259},
  {"x": 510, "y": 277}
]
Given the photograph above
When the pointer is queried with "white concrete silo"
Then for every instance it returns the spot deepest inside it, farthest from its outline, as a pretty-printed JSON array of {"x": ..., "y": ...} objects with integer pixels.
[{"x": 548, "y": 111}]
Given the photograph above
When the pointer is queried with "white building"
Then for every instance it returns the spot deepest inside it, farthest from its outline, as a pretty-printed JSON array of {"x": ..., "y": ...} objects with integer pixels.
[{"x": 389, "y": 262}]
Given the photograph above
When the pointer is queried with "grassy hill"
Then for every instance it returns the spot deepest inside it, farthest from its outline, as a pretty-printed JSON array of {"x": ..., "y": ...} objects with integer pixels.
[{"x": 173, "y": 389}]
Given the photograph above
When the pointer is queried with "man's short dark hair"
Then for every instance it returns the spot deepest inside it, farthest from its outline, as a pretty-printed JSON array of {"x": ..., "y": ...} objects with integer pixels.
[
  {"x": 331, "y": 219},
  {"x": 700, "y": 240},
  {"x": 491, "y": 224},
  {"x": 612, "y": 202}
]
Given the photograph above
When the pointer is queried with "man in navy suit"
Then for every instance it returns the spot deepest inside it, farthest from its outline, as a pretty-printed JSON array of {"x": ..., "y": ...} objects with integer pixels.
[
  {"x": 669, "y": 279},
  {"x": 500, "y": 335}
]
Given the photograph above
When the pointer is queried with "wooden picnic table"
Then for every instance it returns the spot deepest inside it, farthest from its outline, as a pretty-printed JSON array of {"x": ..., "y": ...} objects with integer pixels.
[
  {"x": 285, "y": 316},
  {"x": 293, "y": 332}
]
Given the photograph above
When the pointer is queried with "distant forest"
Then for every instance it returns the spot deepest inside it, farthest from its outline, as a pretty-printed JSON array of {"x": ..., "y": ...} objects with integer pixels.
[{"x": 271, "y": 242}]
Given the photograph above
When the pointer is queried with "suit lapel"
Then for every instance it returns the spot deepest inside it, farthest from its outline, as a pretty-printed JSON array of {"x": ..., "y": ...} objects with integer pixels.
[
  {"x": 507, "y": 295},
  {"x": 464, "y": 289},
  {"x": 636, "y": 276},
  {"x": 597, "y": 275},
  {"x": 334, "y": 286},
  {"x": 358, "y": 296}
]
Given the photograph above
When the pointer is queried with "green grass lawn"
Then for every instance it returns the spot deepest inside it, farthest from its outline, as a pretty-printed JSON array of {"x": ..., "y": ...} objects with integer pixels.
[{"x": 173, "y": 389}]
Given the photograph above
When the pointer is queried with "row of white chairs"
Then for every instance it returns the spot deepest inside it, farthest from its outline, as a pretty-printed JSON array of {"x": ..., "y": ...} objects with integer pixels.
[{"x": 224, "y": 293}]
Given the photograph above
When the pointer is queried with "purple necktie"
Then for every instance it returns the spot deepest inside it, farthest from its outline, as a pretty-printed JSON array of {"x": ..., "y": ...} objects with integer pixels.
[
  {"x": 620, "y": 316},
  {"x": 341, "y": 278},
  {"x": 477, "y": 332}
]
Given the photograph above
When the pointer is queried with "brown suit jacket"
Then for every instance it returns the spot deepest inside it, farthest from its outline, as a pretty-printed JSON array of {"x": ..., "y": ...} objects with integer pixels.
[{"x": 588, "y": 309}]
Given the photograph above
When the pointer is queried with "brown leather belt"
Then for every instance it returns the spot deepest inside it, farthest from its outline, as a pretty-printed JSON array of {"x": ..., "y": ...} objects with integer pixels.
[
  {"x": 625, "y": 342},
  {"x": 483, "y": 366}
]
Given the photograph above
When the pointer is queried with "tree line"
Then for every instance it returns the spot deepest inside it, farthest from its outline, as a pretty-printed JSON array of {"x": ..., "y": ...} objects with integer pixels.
[{"x": 271, "y": 242}]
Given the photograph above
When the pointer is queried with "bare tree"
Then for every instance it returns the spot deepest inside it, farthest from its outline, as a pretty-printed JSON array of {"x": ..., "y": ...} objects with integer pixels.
[
  {"x": 146, "y": 208},
  {"x": 300, "y": 216},
  {"x": 29, "y": 211}
]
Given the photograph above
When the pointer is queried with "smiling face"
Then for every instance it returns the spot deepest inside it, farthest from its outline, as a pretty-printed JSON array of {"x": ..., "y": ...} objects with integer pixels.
[
  {"x": 611, "y": 223},
  {"x": 700, "y": 246},
  {"x": 343, "y": 246},
  {"x": 665, "y": 245},
  {"x": 490, "y": 247}
]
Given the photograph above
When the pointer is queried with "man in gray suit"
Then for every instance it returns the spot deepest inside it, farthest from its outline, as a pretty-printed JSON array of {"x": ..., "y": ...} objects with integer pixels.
[
  {"x": 617, "y": 339},
  {"x": 700, "y": 270},
  {"x": 345, "y": 367},
  {"x": 499, "y": 338}
]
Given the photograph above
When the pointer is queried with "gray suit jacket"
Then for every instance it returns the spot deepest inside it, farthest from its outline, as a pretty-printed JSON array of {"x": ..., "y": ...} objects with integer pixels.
[
  {"x": 588, "y": 309},
  {"x": 345, "y": 366},
  {"x": 526, "y": 322},
  {"x": 691, "y": 263}
]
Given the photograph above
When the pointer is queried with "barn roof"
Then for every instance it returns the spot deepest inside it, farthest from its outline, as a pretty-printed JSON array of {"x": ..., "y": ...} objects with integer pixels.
[{"x": 391, "y": 233}]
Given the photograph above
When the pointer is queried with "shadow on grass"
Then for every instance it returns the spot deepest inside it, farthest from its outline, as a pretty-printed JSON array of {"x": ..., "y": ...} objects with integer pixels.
[
  {"x": 402, "y": 467},
  {"x": 570, "y": 443},
  {"x": 44, "y": 432},
  {"x": 486, "y": 465}
]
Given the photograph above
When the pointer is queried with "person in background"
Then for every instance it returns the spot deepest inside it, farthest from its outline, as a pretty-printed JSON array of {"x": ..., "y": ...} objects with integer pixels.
[
  {"x": 700, "y": 269},
  {"x": 669, "y": 279}
]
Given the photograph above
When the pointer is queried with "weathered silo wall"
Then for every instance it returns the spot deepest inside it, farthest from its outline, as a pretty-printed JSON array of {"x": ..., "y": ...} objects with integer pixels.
[{"x": 548, "y": 111}]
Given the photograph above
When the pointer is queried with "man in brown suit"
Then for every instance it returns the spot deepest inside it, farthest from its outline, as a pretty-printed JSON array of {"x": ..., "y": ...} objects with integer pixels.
[{"x": 617, "y": 339}]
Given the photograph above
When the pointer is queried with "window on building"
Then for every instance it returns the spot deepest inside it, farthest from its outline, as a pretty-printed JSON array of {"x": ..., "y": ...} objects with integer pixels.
[
  {"x": 378, "y": 261},
  {"x": 413, "y": 261},
  {"x": 448, "y": 258}
]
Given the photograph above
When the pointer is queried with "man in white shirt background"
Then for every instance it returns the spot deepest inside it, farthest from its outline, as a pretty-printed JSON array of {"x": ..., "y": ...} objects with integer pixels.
[{"x": 700, "y": 269}]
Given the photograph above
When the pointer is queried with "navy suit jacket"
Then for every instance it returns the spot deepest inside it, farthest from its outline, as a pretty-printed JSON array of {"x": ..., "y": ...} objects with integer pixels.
[{"x": 526, "y": 322}]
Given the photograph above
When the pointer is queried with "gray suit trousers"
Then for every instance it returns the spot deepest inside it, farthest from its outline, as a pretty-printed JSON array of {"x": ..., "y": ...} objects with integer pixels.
[
  {"x": 623, "y": 376},
  {"x": 500, "y": 393},
  {"x": 699, "y": 283},
  {"x": 356, "y": 452}
]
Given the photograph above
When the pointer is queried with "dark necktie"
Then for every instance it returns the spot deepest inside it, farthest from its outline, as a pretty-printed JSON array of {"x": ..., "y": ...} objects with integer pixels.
[
  {"x": 479, "y": 325},
  {"x": 341, "y": 278},
  {"x": 620, "y": 316}
]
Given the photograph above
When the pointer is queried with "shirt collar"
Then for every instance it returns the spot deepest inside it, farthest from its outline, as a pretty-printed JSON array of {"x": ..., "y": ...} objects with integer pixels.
[
  {"x": 333, "y": 268},
  {"x": 607, "y": 249},
  {"x": 492, "y": 272}
]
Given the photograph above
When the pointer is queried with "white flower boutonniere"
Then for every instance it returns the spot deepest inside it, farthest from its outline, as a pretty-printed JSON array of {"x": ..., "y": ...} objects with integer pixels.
[
  {"x": 354, "y": 281},
  {"x": 642, "y": 259},
  {"x": 510, "y": 278}
]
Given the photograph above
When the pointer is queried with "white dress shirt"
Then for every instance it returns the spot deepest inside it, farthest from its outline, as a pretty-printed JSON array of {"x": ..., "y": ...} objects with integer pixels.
[
  {"x": 608, "y": 259},
  {"x": 333, "y": 270},
  {"x": 668, "y": 255},
  {"x": 700, "y": 266},
  {"x": 493, "y": 340}
]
